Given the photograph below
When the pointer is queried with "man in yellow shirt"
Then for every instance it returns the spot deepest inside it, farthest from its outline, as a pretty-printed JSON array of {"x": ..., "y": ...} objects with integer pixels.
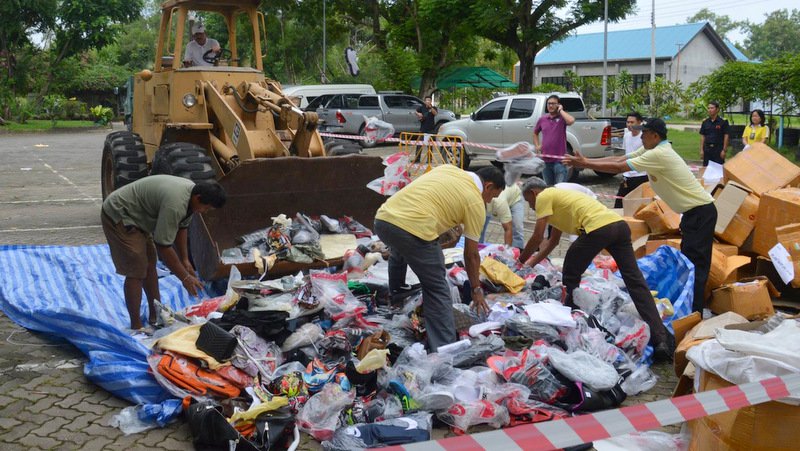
[
  {"x": 597, "y": 228},
  {"x": 674, "y": 183},
  {"x": 410, "y": 223}
]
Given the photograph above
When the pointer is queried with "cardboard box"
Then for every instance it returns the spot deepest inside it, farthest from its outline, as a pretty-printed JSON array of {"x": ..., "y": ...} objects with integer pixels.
[
  {"x": 790, "y": 295},
  {"x": 761, "y": 169},
  {"x": 659, "y": 217},
  {"x": 789, "y": 237},
  {"x": 638, "y": 228},
  {"x": 751, "y": 298},
  {"x": 770, "y": 425},
  {"x": 653, "y": 245},
  {"x": 736, "y": 213},
  {"x": 776, "y": 208},
  {"x": 640, "y": 196}
]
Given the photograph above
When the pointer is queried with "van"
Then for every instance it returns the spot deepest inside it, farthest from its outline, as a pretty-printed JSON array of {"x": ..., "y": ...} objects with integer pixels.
[{"x": 307, "y": 93}]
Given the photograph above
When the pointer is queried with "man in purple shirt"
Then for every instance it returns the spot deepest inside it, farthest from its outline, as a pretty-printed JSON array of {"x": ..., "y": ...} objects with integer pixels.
[{"x": 553, "y": 145}]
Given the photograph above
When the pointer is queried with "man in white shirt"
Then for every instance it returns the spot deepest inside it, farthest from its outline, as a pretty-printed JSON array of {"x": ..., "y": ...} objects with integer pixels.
[
  {"x": 632, "y": 141},
  {"x": 198, "y": 46}
]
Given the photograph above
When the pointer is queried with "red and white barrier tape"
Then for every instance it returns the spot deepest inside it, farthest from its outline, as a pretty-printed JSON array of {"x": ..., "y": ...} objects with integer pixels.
[
  {"x": 611, "y": 423},
  {"x": 412, "y": 143}
]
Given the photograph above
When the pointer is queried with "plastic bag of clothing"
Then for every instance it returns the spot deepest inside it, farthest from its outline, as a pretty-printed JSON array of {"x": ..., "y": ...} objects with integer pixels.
[
  {"x": 535, "y": 331},
  {"x": 395, "y": 176},
  {"x": 501, "y": 274},
  {"x": 528, "y": 369},
  {"x": 584, "y": 367},
  {"x": 135, "y": 419},
  {"x": 633, "y": 335},
  {"x": 641, "y": 380},
  {"x": 307, "y": 334},
  {"x": 333, "y": 294},
  {"x": 519, "y": 158},
  {"x": 303, "y": 231},
  {"x": 319, "y": 417},
  {"x": 376, "y": 130},
  {"x": 478, "y": 351},
  {"x": 590, "y": 339},
  {"x": 253, "y": 354},
  {"x": 398, "y": 431},
  {"x": 461, "y": 416},
  {"x": 644, "y": 441}
]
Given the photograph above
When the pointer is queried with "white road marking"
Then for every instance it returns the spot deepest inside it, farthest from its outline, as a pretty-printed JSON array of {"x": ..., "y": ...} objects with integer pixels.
[
  {"x": 50, "y": 229},
  {"x": 47, "y": 201}
]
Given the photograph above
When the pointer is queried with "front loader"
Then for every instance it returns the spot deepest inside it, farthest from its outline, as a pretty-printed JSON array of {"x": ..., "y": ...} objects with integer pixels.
[{"x": 227, "y": 122}]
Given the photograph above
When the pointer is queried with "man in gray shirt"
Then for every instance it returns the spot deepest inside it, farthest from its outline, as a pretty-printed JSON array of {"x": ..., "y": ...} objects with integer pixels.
[{"x": 151, "y": 216}]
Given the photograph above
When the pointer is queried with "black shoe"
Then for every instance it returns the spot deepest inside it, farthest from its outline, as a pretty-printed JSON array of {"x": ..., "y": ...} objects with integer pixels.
[
  {"x": 665, "y": 351},
  {"x": 404, "y": 292}
]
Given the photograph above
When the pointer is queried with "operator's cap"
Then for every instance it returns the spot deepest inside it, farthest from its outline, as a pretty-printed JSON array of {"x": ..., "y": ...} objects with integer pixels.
[
  {"x": 653, "y": 124},
  {"x": 198, "y": 28}
]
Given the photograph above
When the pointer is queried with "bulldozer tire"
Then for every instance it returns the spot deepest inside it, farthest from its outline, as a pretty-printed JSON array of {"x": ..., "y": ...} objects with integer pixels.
[
  {"x": 185, "y": 160},
  {"x": 124, "y": 161}
]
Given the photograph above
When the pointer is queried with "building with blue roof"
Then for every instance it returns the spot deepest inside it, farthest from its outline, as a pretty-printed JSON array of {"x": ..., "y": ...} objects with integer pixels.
[{"x": 683, "y": 53}]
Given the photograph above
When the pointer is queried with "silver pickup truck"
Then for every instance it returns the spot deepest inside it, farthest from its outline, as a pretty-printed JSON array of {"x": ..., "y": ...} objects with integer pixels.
[
  {"x": 507, "y": 120},
  {"x": 345, "y": 113}
]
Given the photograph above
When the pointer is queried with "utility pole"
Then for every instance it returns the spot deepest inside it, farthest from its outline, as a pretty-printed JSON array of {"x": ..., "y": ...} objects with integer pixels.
[
  {"x": 605, "y": 57},
  {"x": 324, "y": 77},
  {"x": 652, "y": 50}
]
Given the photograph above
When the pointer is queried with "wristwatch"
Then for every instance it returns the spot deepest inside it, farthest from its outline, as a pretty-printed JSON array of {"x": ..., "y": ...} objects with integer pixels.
[{"x": 477, "y": 290}]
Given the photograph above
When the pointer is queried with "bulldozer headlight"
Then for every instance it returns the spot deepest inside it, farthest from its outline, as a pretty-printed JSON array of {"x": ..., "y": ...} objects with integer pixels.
[{"x": 189, "y": 100}]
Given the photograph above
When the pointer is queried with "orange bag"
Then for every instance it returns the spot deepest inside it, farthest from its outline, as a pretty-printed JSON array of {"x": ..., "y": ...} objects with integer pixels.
[{"x": 189, "y": 376}]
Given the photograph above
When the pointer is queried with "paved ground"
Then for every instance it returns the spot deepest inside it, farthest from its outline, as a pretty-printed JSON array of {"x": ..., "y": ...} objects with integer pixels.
[{"x": 50, "y": 194}]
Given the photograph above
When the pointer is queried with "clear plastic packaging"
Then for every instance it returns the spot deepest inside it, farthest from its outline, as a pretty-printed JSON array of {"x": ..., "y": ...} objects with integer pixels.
[
  {"x": 579, "y": 366},
  {"x": 641, "y": 380},
  {"x": 462, "y": 416},
  {"x": 332, "y": 292},
  {"x": 319, "y": 417},
  {"x": 306, "y": 335},
  {"x": 398, "y": 431}
]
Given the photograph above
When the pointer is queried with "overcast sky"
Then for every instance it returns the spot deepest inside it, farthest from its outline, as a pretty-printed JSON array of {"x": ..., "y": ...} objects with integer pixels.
[{"x": 673, "y": 12}]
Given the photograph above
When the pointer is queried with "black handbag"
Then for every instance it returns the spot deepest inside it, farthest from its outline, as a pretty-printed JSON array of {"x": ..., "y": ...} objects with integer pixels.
[{"x": 216, "y": 341}]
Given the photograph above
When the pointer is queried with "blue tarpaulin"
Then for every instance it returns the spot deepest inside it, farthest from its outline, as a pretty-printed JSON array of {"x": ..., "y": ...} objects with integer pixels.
[
  {"x": 75, "y": 293},
  {"x": 670, "y": 273}
]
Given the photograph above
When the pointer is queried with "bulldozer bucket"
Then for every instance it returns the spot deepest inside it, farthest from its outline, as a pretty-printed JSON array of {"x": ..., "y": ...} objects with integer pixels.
[{"x": 260, "y": 189}]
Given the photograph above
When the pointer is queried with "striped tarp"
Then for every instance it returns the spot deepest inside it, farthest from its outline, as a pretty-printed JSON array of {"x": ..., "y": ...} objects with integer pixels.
[{"x": 74, "y": 293}]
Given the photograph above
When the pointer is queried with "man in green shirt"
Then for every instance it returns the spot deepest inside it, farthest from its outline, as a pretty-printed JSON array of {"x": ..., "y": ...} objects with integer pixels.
[
  {"x": 674, "y": 183},
  {"x": 151, "y": 216}
]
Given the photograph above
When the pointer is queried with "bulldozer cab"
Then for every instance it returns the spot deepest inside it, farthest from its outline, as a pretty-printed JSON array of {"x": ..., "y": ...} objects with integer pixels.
[{"x": 178, "y": 17}]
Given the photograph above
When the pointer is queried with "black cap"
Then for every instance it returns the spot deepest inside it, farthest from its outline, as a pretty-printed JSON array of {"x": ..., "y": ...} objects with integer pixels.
[{"x": 653, "y": 124}]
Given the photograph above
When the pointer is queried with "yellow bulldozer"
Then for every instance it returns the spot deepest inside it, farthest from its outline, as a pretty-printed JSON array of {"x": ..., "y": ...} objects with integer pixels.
[{"x": 222, "y": 119}]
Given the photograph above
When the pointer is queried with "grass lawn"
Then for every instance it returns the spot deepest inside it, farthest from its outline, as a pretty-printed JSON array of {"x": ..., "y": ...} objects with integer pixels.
[{"x": 36, "y": 125}]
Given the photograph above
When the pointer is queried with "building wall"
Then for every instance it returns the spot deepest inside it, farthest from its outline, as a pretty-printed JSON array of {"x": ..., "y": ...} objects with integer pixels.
[{"x": 697, "y": 58}]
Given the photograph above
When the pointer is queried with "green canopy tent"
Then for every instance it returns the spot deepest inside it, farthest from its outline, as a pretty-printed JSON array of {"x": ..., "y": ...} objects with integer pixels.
[{"x": 469, "y": 77}]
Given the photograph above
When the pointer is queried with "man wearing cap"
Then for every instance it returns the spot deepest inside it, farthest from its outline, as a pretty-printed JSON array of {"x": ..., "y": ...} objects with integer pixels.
[
  {"x": 198, "y": 46},
  {"x": 674, "y": 183},
  {"x": 410, "y": 223},
  {"x": 598, "y": 228}
]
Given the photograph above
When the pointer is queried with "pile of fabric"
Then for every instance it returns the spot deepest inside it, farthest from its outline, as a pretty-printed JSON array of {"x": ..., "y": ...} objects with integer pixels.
[{"x": 332, "y": 354}]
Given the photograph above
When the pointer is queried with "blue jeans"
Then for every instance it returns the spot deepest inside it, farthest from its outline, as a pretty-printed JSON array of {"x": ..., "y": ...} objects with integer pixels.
[
  {"x": 517, "y": 225},
  {"x": 554, "y": 172}
]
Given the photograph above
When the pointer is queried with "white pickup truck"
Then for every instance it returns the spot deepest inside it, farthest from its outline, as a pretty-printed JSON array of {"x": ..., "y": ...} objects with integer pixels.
[{"x": 507, "y": 120}]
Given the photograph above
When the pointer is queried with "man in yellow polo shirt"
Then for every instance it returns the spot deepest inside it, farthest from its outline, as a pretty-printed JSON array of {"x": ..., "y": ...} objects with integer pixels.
[
  {"x": 597, "y": 228},
  {"x": 410, "y": 223},
  {"x": 674, "y": 183}
]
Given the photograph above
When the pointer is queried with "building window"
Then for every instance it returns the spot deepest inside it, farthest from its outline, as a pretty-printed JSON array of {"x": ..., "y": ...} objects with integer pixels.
[
  {"x": 561, "y": 81},
  {"x": 640, "y": 80}
]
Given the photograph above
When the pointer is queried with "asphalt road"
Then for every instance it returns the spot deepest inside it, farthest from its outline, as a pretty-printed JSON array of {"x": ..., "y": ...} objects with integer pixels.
[{"x": 50, "y": 195}]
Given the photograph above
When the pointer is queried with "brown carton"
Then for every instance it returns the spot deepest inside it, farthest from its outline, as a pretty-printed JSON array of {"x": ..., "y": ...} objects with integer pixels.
[
  {"x": 641, "y": 195},
  {"x": 761, "y": 169},
  {"x": 789, "y": 237},
  {"x": 736, "y": 213},
  {"x": 638, "y": 227},
  {"x": 751, "y": 298},
  {"x": 659, "y": 217},
  {"x": 770, "y": 425},
  {"x": 776, "y": 208}
]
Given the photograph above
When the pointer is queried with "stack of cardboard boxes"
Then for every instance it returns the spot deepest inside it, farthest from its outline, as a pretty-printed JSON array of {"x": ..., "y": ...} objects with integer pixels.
[{"x": 758, "y": 205}]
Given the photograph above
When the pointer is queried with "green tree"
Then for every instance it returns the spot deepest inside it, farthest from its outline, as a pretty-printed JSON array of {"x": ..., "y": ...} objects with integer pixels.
[
  {"x": 779, "y": 35},
  {"x": 722, "y": 24},
  {"x": 80, "y": 25},
  {"x": 526, "y": 26}
]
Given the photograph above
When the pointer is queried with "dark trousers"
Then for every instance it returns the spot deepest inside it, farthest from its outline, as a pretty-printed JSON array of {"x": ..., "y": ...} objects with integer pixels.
[
  {"x": 616, "y": 239},
  {"x": 697, "y": 230},
  {"x": 427, "y": 261},
  {"x": 628, "y": 184},
  {"x": 712, "y": 152}
]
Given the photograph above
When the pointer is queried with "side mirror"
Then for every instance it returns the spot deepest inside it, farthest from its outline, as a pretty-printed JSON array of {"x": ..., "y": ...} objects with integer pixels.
[{"x": 472, "y": 115}]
